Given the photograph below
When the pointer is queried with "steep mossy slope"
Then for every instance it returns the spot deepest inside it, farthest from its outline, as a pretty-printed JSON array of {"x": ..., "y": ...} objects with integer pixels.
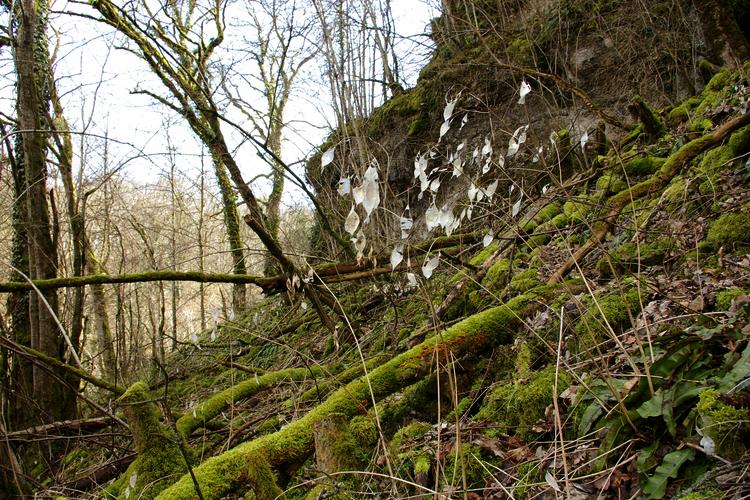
[{"x": 593, "y": 341}]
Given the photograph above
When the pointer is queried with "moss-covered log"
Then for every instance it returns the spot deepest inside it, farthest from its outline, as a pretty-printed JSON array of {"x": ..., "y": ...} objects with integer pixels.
[
  {"x": 673, "y": 166},
  {"x": 291, "y": 445},
  {"x": 219, "y": 402},
  {"x": 106, "y": 279},
  {"x": 327, "y": 273}
]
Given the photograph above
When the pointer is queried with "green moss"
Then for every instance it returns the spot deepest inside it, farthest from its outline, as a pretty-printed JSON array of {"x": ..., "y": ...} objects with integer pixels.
[
  {"x": 485, "y": 254},
  {"x": 521, "y": 52},
  {"x": 528, "y": 473},
  {"x": 465, "y": 461},
  {"x": 643, "y": 165},
  {"x": 608, "y": 184},
  {"x": 720, "y": 80},
  {"x": 293, "y": 443},
  {"x": 524, "y": 281},
  {"x": 630, "y": 256},
  {"x": 422, "y": 463},
  {"x": 410, "y": 432},
  {"x": 633, "y": 134},
  {"x": 365, "y": 430},
  {"x": 218, "y": 402},
  {"x": 682, "y": 113},
  {"x": 560, "y": 221},
  {"x": 702, "y": 124},
  {"x": 327, "y": 491},
  {"x": 729, "y": 427},
  {"x": 536, "y": 241},
  {"x": 617, "y": 308},
  {"x": 730, "y": 230},
  {"x": 269, "y": 425},
  {"x": 159, "y": 461},
  {"x": 497, "y": 276},
  {"x": 547, "y": 213},
  {"x": 577, "y": 209},
  {"x": 703, "y": 494},
  {"x": 342, "y": 447},
  {"x": 516, "y": 407},
  {"x": 529, "y": 226},
  {"x": 523, "y": 361},
  {"x": 716, "y": 160},
  {"x": 739, "y": 141},
  {"x": 675, "y": 195},
  {"x": 724, "y": 298}
]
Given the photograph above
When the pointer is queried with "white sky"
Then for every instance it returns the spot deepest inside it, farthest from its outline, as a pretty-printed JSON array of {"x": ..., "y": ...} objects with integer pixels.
[{"x": 86, "y": 67}]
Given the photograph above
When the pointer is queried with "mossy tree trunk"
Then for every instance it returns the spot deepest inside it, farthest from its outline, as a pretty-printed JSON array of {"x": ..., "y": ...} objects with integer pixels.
[
  {"x": 55, "y": 400},
  {"x": 289, "y": 447},
  {"x": 727, "y": 45},
  {"x": 159, "y": 456}
]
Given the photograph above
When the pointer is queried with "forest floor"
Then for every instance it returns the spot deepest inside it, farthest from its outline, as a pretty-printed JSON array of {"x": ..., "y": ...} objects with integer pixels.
[{"x": 598, "y": 346}]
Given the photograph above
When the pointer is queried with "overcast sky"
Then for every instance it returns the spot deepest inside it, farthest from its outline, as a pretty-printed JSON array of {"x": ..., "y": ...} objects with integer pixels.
[{"x": 95, "y": 80}]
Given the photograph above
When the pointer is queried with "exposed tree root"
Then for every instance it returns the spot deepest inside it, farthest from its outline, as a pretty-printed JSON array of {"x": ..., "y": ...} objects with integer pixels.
[
  {"x": 288, "y": 448},
  {"x": 673, "y": 166}
]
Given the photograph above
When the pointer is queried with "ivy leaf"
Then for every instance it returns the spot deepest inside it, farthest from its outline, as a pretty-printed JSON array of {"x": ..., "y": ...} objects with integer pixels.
[
  {"x": 656, "y": 486},
  {"x": 326, "y": 159},
  {"x": 739, "y": 376}
]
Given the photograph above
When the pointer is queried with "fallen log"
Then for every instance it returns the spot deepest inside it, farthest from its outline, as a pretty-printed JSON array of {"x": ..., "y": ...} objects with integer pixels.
[
  {"x": 673, "y": 166},
  {"x": 289, "y": 447},
  {"x": 326, "y": 273}
]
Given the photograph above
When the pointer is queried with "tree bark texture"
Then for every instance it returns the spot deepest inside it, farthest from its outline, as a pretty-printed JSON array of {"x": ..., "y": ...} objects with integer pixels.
[{"x": 55, "y": 401}]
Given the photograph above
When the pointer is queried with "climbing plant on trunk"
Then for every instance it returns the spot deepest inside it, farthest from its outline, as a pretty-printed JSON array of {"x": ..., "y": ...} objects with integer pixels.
[{"x": 33, "y": 73}]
